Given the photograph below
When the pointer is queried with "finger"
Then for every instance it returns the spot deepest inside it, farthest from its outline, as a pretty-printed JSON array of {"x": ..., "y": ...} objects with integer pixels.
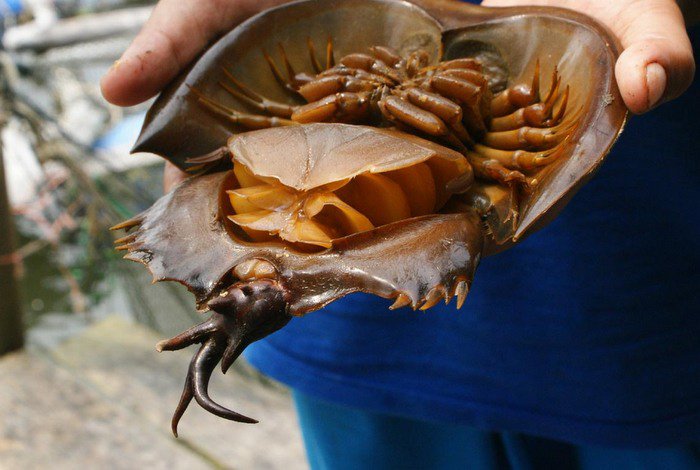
[
  {"x": 172, "y": 176},
  {"x": 657, "y": 63},
  {"x": 175, "y": 33}
]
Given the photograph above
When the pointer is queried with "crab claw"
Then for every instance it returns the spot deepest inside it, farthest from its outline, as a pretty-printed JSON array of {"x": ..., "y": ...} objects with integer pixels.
[{"x": 242, "y": 314}]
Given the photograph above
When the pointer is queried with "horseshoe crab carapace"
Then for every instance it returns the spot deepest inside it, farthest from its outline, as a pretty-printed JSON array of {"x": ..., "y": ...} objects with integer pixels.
[{"x": 307, "y": 213}]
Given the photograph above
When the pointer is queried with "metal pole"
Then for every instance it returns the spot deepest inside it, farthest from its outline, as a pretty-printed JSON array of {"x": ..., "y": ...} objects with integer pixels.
[{"x": 11, "y": 325}]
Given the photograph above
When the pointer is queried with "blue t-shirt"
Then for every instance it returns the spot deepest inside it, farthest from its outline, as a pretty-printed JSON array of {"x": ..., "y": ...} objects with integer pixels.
[{"x": 588, "y": 331}]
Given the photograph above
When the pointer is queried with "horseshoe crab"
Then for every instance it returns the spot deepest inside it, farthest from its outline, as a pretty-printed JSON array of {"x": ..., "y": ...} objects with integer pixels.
[{"x": 282, "y": 221}]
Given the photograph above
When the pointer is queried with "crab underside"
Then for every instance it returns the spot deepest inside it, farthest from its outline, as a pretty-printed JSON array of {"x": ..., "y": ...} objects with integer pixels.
[{"x": 422, "y": 138}]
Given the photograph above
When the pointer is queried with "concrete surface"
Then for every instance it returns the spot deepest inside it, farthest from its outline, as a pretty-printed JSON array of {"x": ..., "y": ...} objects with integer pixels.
[{"x": 104, "y": 399}]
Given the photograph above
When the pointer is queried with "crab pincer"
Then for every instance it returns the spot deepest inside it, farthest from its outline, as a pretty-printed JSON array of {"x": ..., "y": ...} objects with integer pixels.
[{"x": 242, "y": 314}]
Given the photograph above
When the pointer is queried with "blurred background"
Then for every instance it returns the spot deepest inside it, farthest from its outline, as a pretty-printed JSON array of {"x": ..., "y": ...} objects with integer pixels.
[{"x": 80, "y": 381}]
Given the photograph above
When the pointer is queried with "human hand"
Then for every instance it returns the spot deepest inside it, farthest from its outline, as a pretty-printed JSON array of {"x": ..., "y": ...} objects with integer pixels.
[{"x": 657, "y": 63}]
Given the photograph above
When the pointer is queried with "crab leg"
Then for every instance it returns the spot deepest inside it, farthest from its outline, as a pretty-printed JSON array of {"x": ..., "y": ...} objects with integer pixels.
[
  {"x": 197, "y": 386},
  {"x": 242, "y": 314},
  {"x": 370, "y": 64},
  {"x": 518, "y": 96},
  {"x": 527, "y": 137},
  {"x": 193, "y": 335},
  {"x": 559, "y": 115},
  {"x": 554, "y": 87},
  {"x": 469, "y": 75},
  {"x": 312, "y": 56},
  {"x": 535, "y": 115},
  {"x": 410, "y": 114},
  {"x": 286, "y": 83},
  {"x": 293, "y": 80},
  {"x": 255, "y": 100},
  {"x": 386, "y": 55},
  {"x": 467, "y": 63},
  {"x": 416, "y": 62},
  {"x": 456, "y": 87},
  {"x": 465, "y": 93},
  {"x": 247, "y": 120},
  {"x": 397, "y": 109},
  {"x": 201, "y": 367},
  {"x": 463, "y": 63},
  {"x": 480, "y": 80},
  {"x": 445, "y": 109},
  {"x": 337, "y": 80},
  {"x": 520, "y": 159},
  {"x": 491, "y": 169},
  {"x": 322, "y": 87},
  {"x": 330, "y": 58},
  {"x": 346, "y": 107}
]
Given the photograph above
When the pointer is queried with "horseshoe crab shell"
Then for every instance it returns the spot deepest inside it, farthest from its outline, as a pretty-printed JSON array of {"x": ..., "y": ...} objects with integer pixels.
[
  {"x": 509, "y": 41},
  {"x": 253, "y": 287}
]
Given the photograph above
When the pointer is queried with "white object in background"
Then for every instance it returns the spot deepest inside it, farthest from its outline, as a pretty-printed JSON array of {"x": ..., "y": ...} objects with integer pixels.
[
  {"x": 115, "y": 146},
  {"x": 22, "y": 169},
  {"x": 45, "y": 32}
]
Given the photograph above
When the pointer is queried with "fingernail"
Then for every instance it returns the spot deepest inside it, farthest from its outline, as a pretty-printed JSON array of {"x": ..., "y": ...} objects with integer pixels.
[
  {"x": 115, "y": 66},
  {"x": 656, "y": 83}
]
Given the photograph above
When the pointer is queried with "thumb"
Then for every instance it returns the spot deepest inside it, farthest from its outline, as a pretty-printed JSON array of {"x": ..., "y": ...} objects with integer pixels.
[{"x": 657, "y": 63}]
